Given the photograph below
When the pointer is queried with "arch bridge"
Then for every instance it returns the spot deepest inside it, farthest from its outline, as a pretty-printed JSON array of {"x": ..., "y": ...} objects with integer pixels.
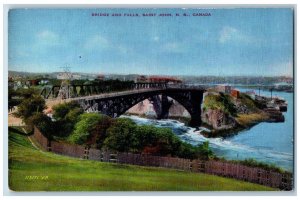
[{"x": 115, "y": 103}]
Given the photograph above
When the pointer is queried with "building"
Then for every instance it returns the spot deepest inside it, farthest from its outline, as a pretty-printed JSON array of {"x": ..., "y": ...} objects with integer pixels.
[
  {"x": 235, "y": 93},
  {"x": 226, "y": 89},
  {"x": 33, "y": 82},
  {"x": 163, "y": 79},
  {"x": 141, "y": 79},
  {"x": 157, "y": 79},
  {"x": 100, "y": 77}
]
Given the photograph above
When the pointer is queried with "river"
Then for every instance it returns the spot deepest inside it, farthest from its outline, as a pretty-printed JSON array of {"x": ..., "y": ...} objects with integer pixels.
[{"x": 267, "y": 142}]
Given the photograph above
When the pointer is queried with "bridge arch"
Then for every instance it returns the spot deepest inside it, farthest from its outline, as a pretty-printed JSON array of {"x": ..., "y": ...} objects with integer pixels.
[{"x": 115, "y": 106}]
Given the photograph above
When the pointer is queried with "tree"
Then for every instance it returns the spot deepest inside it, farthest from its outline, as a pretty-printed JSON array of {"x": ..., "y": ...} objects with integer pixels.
[
  {"x": 122, "y": 136},
  {"x": 66, "y": 115},
  {"x": 85, "y": 127},
  {"x": 186, "y": 150},
  {"x": 146, "y": 135},
  {"x": 29, "y": 106},
  {"x": 26, "y": 93},
  {"x": 62, "y": 110},
  {"x": 168, "y": 143},
  {"x": 204, "y": 151},
  {"x": 43, "y": 123},
  {"x": 13, "y": 98}
]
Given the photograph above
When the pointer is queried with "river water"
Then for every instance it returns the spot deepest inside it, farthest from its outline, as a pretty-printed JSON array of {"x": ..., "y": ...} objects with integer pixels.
[{"x": 267, "y": 142}]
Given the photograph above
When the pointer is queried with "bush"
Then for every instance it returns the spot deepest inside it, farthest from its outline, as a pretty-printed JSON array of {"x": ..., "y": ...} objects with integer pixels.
[
  {"x": 122, "y": 136},
  {"x": 219, "y": 102},
  {"x": 204, "y": 152},
  {"x": 125, "y": 135},
  {"x": 43, "y": 123},
  {"x": 70, "y": 110},
  {"x": 254, "y": 163},
  {"x": 29, "y": 106},
  {"x": 168, "y": 143},
  {"x": 85, "y": 127},
  {"x": 66, "y": 115}
]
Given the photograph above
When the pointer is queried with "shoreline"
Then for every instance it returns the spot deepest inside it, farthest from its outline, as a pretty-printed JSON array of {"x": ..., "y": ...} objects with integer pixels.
[{"x": 213, "y": 133}]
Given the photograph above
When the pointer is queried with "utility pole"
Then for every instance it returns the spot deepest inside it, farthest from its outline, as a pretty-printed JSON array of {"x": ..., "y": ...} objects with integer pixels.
[
  {"x": 271, "y": 92},
  {"x": 64, "y": 90}
]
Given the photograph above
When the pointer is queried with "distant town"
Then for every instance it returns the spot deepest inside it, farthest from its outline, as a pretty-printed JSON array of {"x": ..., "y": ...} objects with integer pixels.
[{"x": 279, "y": 83}]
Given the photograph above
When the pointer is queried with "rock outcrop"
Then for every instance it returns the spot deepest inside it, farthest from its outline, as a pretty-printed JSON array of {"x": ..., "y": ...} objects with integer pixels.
[{"x": 218, "y": 119}]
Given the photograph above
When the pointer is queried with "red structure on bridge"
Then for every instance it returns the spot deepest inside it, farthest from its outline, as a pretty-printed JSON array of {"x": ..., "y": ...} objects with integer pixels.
[{"x": 158, "y": 79}]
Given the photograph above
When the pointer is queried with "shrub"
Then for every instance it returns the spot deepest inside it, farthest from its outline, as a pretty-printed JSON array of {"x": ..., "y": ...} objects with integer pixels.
[
  {"x": 85, "y": 127},
  {"x": 29, "y": 106},
  {"x": 254, "y": 163},
  {"x": 219, "y": 102},
  {"x": 66, "y": 115},
  {"x": 204, "y": 152},
  {"x": 121, "y": 136},
  {"x": 125, "y": 135},
  {"x": 70, "y": 110},
  {"x": 43, "y": 123}
]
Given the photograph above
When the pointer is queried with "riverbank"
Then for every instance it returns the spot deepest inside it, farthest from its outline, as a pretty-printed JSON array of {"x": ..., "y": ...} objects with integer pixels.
[
  {"x": 222, "y": 114},
  {"x": 272, "y": 143},
  {"x": 244, "y": 122},
  {"x": 226, "y": 114}
]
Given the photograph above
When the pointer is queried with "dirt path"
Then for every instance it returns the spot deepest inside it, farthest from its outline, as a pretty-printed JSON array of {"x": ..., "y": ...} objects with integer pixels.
[{"x": 14, "y": 121}]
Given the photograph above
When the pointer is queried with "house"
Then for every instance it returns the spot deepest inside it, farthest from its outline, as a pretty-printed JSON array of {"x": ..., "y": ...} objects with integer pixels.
[
  {"x": 163, "y": 79},
  {"x": 100, "y": 77},
  {"x": 235, "y": 93},
  {"x": 33, "y": 82},
  {"x": 141, "y": 79},
  {"x": 224, "y": 89}
]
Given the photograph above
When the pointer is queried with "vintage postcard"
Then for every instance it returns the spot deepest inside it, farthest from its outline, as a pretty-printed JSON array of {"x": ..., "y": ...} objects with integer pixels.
[{"x": 151, "y": 99}]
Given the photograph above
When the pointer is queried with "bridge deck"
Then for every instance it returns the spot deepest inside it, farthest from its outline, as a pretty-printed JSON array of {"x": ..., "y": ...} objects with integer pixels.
[
  {"x": 115, "y": 94},
  {"x": 127, "y": 92}
]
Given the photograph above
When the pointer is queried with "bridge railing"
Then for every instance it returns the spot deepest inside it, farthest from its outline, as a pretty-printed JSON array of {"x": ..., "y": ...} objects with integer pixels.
[{"x": 94, "y": 89}]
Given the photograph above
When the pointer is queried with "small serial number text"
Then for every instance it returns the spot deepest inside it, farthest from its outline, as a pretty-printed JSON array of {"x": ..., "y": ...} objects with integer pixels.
[{"x": 36, "y": 177}]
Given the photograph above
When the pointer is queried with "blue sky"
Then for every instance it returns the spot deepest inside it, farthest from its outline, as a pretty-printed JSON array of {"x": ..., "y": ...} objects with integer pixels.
[{"x": 229, "y": 42}]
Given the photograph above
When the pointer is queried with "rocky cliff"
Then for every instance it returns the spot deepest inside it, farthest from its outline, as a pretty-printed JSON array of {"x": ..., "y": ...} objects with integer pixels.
[{"x": 218, "y": 119}]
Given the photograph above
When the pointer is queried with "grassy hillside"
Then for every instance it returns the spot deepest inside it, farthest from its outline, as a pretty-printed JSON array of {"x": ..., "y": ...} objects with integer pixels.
[
  {"x": 33, "y": 170},
  {"x": 219, "y": 102}
]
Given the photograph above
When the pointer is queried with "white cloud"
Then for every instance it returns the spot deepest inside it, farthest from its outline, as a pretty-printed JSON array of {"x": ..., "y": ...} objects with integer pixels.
[
  {"x": 20, "y": 51},
  {"x": 122, "y": 49},
  {"x": 97, "y": 42},
  {"x": 47, "y": 37},
  {"x": 156, "y": 38},
  {"x": 173, "y": 47},
  {"x": 230, "y": 34}
]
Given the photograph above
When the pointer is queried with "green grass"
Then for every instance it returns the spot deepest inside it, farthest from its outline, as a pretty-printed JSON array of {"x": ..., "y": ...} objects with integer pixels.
[
  {"x": 219, "y": 102},
  {"x": 247, "y": 120},
  {"x": 51, "y": 172}
]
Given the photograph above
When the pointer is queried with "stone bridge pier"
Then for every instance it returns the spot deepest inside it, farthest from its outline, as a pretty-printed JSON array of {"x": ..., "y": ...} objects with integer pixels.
[
  {"x": 161, "y": 105},
  {"x": 191, "y": 100}
]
